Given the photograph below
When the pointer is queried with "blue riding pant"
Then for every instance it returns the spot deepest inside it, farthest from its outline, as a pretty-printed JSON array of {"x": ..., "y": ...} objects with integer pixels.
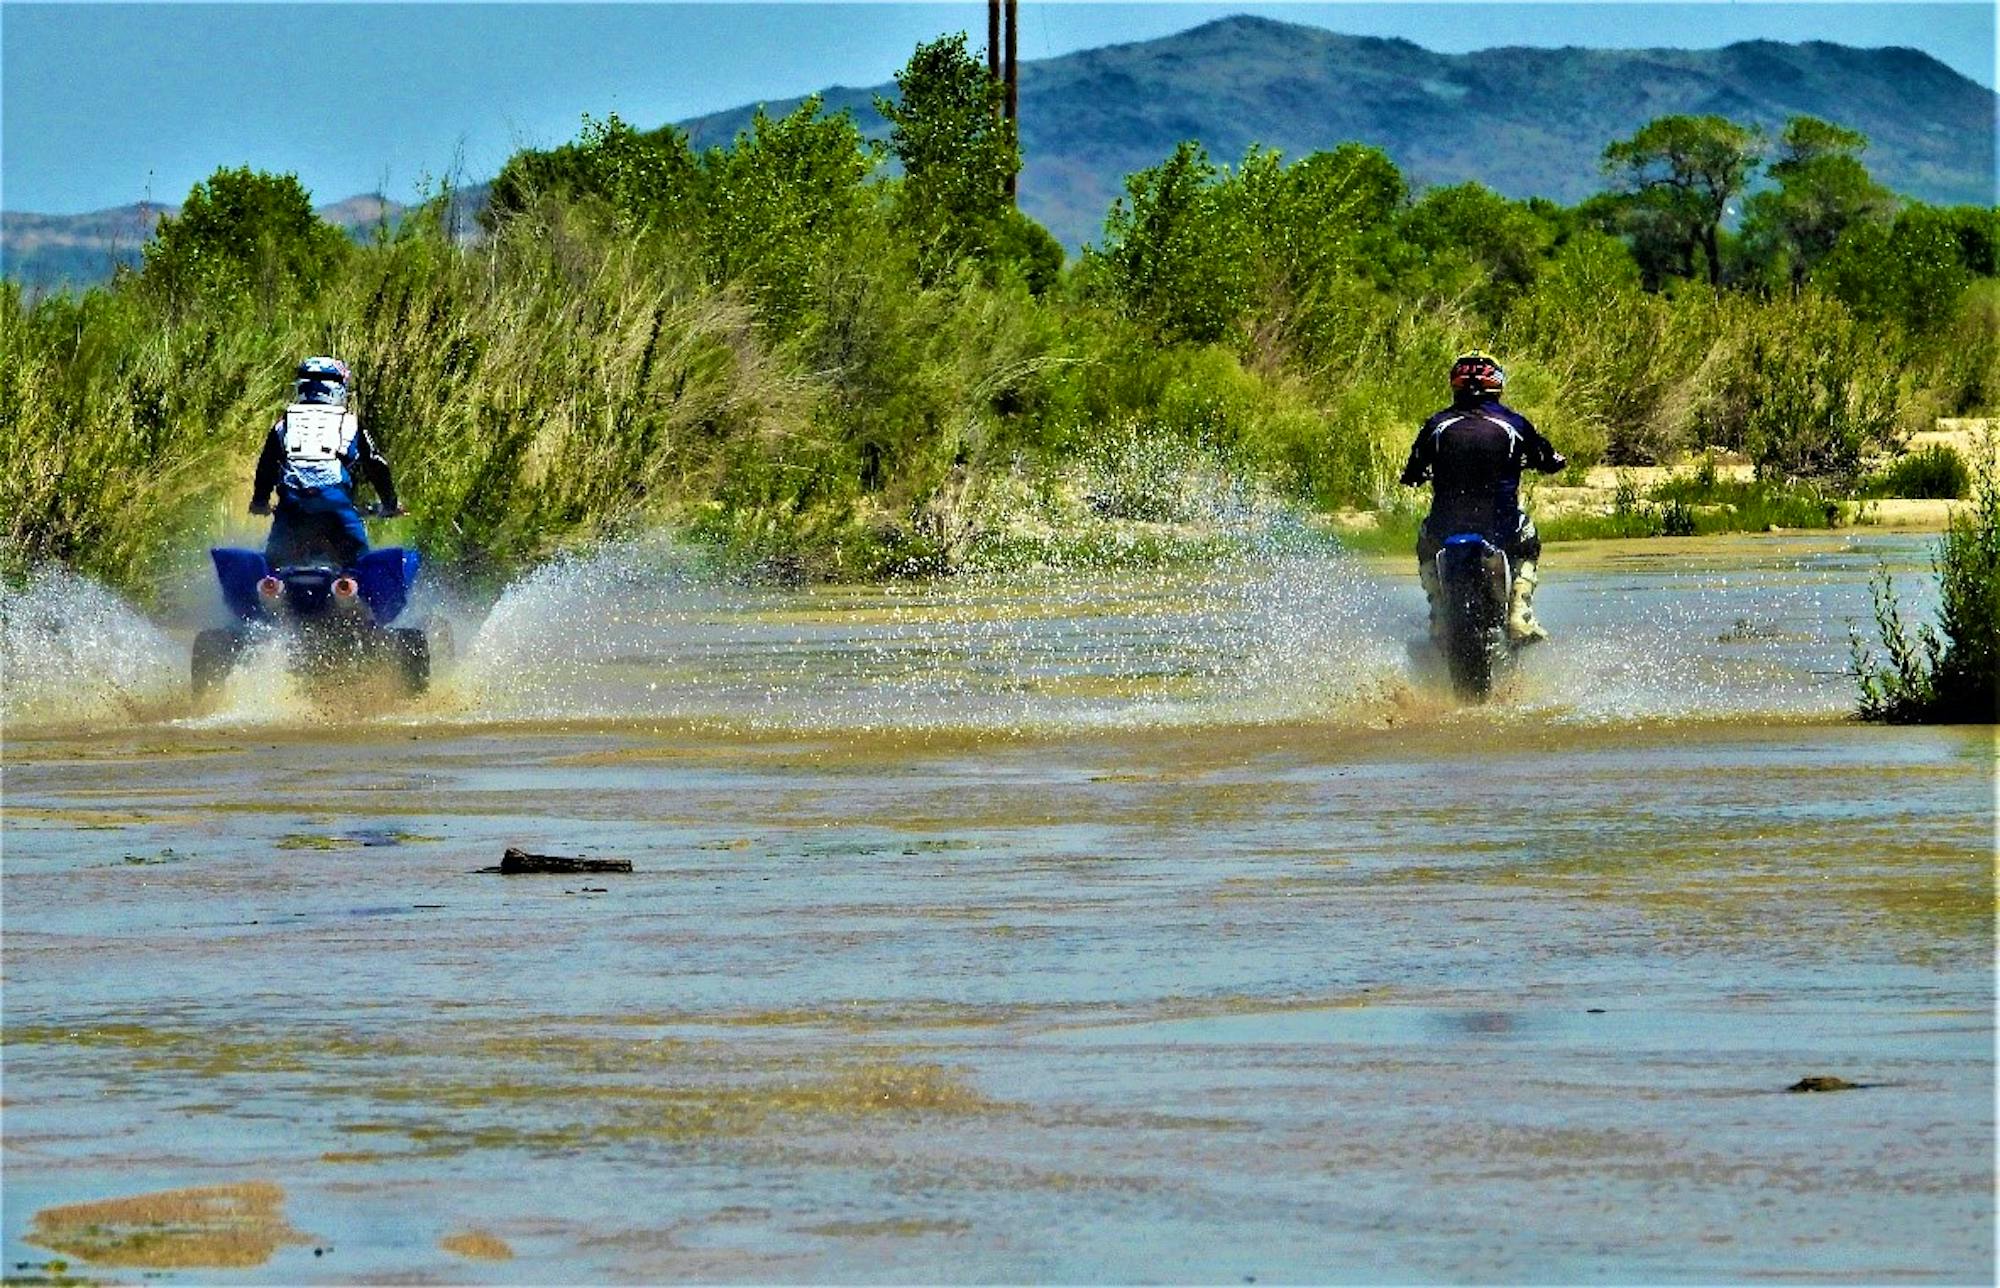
[{"x": 310, "y": 526}]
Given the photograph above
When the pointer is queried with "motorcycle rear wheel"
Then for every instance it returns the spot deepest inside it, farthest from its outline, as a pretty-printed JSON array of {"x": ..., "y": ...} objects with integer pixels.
[{"x": 1472, "y": 654}]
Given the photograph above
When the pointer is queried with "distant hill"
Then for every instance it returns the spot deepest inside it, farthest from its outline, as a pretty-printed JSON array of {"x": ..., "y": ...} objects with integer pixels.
[
  {"x": 1527, "y": 122},
  {"x": 50, "y": 250},
  {"x": 46, "y": 249}
]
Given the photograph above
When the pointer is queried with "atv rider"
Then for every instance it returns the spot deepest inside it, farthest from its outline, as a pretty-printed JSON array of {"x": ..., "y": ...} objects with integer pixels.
[
  {"x": 307, "y": 458},
  {"x": 1473, "y": 452}
]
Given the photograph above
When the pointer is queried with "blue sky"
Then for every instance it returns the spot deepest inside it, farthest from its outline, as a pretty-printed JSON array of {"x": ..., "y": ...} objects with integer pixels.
[{"x": 104, "y": 104}]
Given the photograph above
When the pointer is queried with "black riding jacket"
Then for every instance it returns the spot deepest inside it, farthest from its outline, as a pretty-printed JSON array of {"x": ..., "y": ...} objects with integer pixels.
[{"x": 1473, "y": 452}]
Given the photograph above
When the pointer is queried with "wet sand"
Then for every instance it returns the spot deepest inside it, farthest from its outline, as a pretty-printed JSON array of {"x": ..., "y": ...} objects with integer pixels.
[{"x": 1094, "y": 929}]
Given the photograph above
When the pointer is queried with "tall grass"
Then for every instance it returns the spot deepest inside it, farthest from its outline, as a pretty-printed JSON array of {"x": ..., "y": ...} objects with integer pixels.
[
  {"x": 556, "y": 386},
  {"x": 119, "y": 428},
  {"x": 583, "y": 372}
]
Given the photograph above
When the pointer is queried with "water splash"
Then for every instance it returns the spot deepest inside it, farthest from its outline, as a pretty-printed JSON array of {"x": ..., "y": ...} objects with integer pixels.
[
  {"x": 646, "y": 631},
  {"x": 585, "y": 636},
  {"x": 1699, "y": 643},
  {"x": 261, "y": 690},
  {"x": 74, "y": 654},
  {"x": 1291, "y": 629}
]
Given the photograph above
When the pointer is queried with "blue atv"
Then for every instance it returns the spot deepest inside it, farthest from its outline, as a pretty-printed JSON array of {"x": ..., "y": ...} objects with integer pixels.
[{"x": 338, "y": 623}]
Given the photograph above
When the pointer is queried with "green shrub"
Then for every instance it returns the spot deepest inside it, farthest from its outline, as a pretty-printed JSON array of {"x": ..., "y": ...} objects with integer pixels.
[
  {"x": 1800, "y": 386},
  {"x": 1699, "y": 504},
  {"x": 1936, "y": 472},
  {"x": 1948, "y": 673}
]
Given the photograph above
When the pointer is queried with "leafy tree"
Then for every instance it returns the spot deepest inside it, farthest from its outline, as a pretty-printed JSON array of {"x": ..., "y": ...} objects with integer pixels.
[
  {"x": 1978, "y": 231},
  {"x": 1499, "y": 243},
  {"x": 956, "y": 152},
  {"x": 1823, "y": 190},
  {"x": 566, "y": 173},
  {"x": 1680, "y": 174},
  {"x": 1028, "y": 249},
  {"x": 1306, "y": 222},
  {"x": 780, "y": 198},
  {"x": 1175, "y": 252},
  {"x": 241, "y": 232},
  {"x": 647, "y": 177},
  {"x": 1911, "y": 271}
]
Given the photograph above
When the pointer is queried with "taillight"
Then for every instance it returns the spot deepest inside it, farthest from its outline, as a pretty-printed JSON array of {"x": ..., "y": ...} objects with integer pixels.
[
  {"x": 344, "y": 588},
  {"x": 270, "y": 588}
]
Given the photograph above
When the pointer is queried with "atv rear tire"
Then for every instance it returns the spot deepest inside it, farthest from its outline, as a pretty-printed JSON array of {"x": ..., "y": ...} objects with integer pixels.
[
  {"x": 444, "y": 647},
  {"x": 412, "y": 651},
  {"x": 214, "y": 656}
]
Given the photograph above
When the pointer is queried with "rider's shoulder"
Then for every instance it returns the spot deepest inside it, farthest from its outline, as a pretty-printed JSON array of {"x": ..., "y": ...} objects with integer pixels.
[{"x": 1501, "y": 411}]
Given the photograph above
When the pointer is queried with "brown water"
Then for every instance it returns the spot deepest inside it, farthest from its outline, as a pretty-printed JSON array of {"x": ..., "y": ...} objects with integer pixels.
[{"x": 1148, "y": 927}]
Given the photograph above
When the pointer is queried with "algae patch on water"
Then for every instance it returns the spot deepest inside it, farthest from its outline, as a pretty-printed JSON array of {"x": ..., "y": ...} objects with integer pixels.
[
  {"x": 477, "y": 1245},
  {"x": 212, "y": 1053},
  {"x": 909, "y": 1227},
  {"x": 234, "y": 1227}
]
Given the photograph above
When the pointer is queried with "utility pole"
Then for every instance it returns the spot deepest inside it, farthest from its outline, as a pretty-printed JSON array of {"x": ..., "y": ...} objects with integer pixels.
[
  {"x": 1013, "y": 90},
  {"x": 993, "y": 40}
]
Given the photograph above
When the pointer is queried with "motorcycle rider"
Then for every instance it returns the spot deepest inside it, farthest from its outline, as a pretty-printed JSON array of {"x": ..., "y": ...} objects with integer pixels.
[
  {"x": 308, "y": 457},
  {"x": 1473, "y": 452}
]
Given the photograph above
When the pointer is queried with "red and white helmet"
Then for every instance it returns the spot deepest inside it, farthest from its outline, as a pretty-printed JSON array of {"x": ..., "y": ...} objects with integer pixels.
[{"x": 1477, "y": 373}]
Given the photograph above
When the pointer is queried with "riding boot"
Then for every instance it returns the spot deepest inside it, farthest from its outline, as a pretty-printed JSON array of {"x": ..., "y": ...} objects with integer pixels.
[
  {"x": 1427, "y": 576},
  {"x": 1522, "y": 628}
]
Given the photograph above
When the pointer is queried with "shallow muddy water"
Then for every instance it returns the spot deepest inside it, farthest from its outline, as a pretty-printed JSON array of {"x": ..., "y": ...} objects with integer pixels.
[{"x": 1150, "y": 927}]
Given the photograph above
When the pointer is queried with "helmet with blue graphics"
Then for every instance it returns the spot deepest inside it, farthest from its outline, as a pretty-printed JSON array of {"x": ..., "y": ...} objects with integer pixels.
[
  {"x": 1477, "y": 373},
  {"x": 324, "y": 380}
]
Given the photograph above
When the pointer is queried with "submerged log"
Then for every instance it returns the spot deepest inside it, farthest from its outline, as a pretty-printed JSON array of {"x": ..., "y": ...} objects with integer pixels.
[{"x": 516, "y": 862}]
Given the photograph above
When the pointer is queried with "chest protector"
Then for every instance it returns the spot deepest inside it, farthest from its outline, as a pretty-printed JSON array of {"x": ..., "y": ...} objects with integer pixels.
[{"x": 317, "y": 441}]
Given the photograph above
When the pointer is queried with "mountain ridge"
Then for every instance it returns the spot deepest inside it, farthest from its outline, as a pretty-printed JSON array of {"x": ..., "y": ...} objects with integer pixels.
[
  {"x": 1524, "y": 120},
  {"x": 1541, "y": 116},
  {"x": 91, "y": 246}
]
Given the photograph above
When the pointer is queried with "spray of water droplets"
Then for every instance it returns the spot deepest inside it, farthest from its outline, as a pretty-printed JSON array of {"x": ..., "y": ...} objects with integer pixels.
[
  {"x": 74, "y": 654},
  {"x": 1292, "y": 629}
]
